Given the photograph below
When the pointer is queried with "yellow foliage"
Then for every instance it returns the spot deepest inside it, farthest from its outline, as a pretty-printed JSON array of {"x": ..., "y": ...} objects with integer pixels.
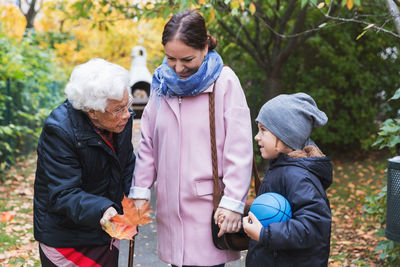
[
  {"x": 51, "y": 20},
  {"x": 212, "y": 15},
  {"x": 12, "y": 20},
  {"x": 252, "y": 8},
  {"x": 150, "y": 5},
  {"x": 242, "y": 4},
  {"x": 114, "y": 44},
  {"x": 350, "y": 4},
  {"x": 235, "y": 4}
]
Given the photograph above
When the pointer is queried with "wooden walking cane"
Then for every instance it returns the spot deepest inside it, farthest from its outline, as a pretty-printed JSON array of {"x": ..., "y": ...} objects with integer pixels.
[
  {"x": 131, "y": 252},
  {"x": 132, "y": 249}
]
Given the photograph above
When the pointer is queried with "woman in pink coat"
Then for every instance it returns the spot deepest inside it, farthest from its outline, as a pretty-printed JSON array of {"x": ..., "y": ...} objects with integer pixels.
[{"x": 175, "y": 152}]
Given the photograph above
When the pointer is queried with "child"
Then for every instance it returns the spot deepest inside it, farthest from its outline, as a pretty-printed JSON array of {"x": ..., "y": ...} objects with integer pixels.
[{"x": 301, "y": 173}]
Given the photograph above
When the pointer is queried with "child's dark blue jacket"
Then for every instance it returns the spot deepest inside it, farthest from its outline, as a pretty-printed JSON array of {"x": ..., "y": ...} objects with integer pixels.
[{"x": 304, "y": 240}]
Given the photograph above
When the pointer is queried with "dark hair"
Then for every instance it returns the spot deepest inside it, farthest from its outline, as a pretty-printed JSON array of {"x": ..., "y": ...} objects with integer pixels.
[{"x": 190, "y": 28}]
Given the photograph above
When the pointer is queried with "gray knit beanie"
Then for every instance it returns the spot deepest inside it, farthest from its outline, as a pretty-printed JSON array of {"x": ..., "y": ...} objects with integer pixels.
[{"x": 291, "y": 118}]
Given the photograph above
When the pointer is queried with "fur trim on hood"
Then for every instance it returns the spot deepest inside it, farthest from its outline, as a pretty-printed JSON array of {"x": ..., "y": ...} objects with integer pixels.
[{"x": 307, "y": 152}]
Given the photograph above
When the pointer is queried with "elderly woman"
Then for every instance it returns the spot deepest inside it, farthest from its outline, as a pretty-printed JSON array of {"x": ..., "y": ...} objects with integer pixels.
[{"x": 84, "y": 167}]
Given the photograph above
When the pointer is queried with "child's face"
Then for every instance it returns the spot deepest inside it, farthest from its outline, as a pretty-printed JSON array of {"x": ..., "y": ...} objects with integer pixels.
[{"x": 268, "y": 143}]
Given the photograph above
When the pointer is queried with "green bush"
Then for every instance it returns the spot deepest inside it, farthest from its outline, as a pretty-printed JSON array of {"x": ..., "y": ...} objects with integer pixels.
[
  {"x": 349, "y": 80},
  {"x": 30, "y": 86},
  {"x": 388, "y": 136},
  {"x": 376, "y": 208}
]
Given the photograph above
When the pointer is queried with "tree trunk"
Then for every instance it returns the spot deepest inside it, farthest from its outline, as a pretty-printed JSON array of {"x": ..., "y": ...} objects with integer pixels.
[
  {"x": 394, "y": 12},
  {"x": 30, "y": 15},
  {"x": 29, "y": 22},
  {"x": 272, "y": 86}
]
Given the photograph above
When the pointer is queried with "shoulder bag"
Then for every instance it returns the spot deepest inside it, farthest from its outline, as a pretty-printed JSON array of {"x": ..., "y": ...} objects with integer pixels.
[{"x": 233, "y": 241}]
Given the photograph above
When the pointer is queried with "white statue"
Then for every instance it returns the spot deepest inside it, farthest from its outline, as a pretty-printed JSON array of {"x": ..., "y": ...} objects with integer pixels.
[{"x": 140, "y": 76}]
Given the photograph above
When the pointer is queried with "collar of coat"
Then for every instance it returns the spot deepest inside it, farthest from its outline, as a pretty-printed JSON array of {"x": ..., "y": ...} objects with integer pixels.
[
  {"x": 82, "y": 125},
  {"x": 306, "y": 152}
]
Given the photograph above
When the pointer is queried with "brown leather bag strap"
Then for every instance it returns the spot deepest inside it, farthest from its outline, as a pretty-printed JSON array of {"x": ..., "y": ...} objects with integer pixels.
[
  {"x": 256, "y": 178},
  {"x": 217, "y": 193}
]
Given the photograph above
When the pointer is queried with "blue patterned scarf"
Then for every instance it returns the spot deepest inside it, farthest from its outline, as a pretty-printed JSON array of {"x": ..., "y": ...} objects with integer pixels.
[{"x": 166, "y": 82}]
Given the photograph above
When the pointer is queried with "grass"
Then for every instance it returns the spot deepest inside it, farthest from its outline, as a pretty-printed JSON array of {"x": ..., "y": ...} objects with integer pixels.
[
  {"x": 18, "y": 247},
  {"x": 353, "y": 234},
  {"x": 7, "y": 242}
]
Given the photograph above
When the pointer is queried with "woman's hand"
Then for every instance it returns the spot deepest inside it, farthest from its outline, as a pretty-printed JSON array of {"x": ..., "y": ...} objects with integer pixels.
[
  {"x": 252, "y": 226},
  {"x": 139, "y": 203},
  {"x": 227, "y": 220},
  {"x": 107, "y": 215}
]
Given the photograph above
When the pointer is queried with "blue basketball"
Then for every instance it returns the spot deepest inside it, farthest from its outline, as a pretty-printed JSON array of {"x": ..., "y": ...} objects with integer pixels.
[{"x": 270, "y": 208}]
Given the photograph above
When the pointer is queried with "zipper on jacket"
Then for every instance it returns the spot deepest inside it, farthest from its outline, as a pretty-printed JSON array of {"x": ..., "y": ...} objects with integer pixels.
[{"x": 179, "y": 100}]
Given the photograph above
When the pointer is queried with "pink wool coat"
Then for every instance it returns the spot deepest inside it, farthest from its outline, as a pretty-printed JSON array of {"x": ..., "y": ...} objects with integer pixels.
[{"x": 175, "y": 155}]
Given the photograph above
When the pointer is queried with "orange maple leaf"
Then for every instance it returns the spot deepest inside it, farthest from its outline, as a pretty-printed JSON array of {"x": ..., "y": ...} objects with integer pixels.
[
  {"x": 6, "y": 216},
  {"x": 125, "y": 226},
  {"x": 120, "y": 230}
]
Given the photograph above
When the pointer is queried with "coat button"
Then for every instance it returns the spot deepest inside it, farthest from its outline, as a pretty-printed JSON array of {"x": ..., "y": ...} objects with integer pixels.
[{"x": 79, "y": 143}]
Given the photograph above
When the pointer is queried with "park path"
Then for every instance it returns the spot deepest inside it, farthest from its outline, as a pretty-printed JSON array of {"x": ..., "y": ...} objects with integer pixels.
[{"x": 146, "y": 240}]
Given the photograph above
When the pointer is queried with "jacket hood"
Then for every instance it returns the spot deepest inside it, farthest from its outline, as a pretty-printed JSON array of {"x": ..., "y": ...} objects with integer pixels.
[{"x": 311, "y": 159}]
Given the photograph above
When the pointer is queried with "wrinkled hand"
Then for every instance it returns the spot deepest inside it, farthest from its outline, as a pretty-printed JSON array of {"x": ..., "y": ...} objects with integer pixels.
[
  {"x": 140, "y": 202},
  {"x": 107, "y": 215},
  {"x": 227, "y": 220},
  {"x": 252, "y": 226}
]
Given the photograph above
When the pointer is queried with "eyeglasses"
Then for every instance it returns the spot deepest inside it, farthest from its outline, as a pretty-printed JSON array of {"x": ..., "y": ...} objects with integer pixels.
[{"x": 119, "y": 111}]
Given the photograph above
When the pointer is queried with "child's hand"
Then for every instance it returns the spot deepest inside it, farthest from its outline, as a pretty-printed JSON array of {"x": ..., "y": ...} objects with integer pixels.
[{"x": 252, "y": 226}]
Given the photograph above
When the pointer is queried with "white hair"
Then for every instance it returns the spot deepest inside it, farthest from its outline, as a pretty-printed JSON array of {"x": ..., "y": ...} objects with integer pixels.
[{"x": 92, "y": 83}]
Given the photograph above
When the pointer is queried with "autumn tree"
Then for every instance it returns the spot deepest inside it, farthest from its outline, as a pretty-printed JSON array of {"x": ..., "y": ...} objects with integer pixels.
[
  {"x": 76, "y": 41},
  {"x": 12, "y": 20},
  {"x": 268, "y": 30},
  {"x": 30, "y": 8}
]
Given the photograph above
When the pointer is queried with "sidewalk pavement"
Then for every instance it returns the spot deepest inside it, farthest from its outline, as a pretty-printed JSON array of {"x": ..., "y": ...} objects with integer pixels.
[{"x": 146, "y": 241}]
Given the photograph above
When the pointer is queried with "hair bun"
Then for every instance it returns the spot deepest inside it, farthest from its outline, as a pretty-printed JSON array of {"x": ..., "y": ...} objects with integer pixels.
[{"x": 212, "y": 42}]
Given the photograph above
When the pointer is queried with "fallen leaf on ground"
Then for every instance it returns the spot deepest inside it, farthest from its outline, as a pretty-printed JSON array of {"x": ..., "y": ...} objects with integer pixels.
[{"x": 6, "y": 216}]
